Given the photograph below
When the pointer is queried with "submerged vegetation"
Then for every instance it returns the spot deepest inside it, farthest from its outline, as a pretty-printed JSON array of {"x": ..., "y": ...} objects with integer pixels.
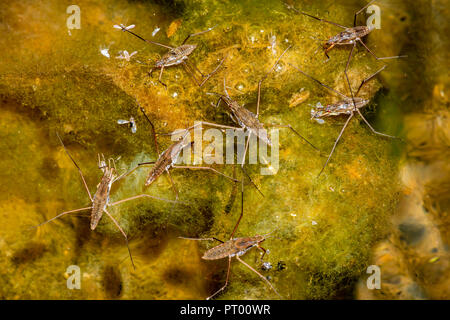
[{"x": 52, "y": 80}]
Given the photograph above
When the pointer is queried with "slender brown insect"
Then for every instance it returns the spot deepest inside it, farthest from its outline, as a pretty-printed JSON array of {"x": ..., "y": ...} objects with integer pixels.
[
  {"x": 350, "y": 36},
  {"x": 235, "y": 247},
  {"x": 168, "y": 158},
  {"x": 100, "y": 200},
  {"x": 177, "y": 55},
  {"x": 249, "y": 121},
  {"x": 346, "y": 106}
]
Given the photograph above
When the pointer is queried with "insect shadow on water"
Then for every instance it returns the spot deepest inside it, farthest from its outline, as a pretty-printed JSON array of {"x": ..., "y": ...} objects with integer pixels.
[
  {"x": 347, "y": 106},
  {"x": 176, "y": 56},
  {"x": 169, "y": 157},
  {"x": 249, "y": 121},
  {"x": 235, "y": 247},
  {"x": 101, "y": 199}
]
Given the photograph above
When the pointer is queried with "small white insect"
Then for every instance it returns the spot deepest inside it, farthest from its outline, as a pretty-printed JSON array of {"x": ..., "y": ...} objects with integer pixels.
[
  {"x": 125, "y": 55},
  {"x": 313, "y": 223},
  {"x": 155, "y": 31},
  {"x": 131, "y": 123},
  {"x": 121, "y": 27}
]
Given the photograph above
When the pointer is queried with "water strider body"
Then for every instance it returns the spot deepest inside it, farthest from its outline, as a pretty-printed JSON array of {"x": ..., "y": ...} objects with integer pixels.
[
  {"x": 344, "y": 106},
  {"x": 177, "y": 56}
]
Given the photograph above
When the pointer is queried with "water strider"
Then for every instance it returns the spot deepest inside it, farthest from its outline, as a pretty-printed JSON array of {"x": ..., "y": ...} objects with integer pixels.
[
  {"x": 249, "y": 121},
  {"x": 168, "y": 158},
  {"x": 101, "y": 199},
  {"x": 235, "y": 247},
  {"x": 176, "y": 56},
  {"x": 350, "y": 36}
]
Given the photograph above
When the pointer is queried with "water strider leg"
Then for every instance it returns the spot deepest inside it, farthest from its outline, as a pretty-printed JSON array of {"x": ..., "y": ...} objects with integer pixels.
[
  {"x": 259, "y": 274},
  {"x": 123, "y": 233},
  {"x": 263, "y": 250},
  {"x": 148, "y": 41},
  {"x": 140, "y": 196},
  {"x": 368, "y": 78},
  {"x": 320, "y": 83},
  {"x": 79, "y": 170},
  {"x": 243, "y": 162},
  {"x": 226, "y": 281},
  {"x": 264, "y": 77},
  {"x": 293, "y": 130},
  {"x": 174, "y": 187},
  {"x": 130, "y": 171},
  {"x": 381, "y": 58},
  {"x": 346, "y": 75},
  {"x": 61, "y": 214},
  {"x": 160, "y": 76},
  {"x": 205, "y": 168},
  {"x": 197, "y": 34},
  {"x": 306, "y": 14},
  {"x": 242, "y": 211},
  {"x": 202, "y": 239},
  {"x": 189, "y": 71}
]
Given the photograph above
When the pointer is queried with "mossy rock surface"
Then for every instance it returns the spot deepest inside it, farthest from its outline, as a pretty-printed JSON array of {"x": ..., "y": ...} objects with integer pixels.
[{"x": 51, "y": 82}]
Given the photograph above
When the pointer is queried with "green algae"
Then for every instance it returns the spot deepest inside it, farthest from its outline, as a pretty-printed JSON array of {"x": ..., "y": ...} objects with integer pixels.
[{"x": 325, "y": 227}]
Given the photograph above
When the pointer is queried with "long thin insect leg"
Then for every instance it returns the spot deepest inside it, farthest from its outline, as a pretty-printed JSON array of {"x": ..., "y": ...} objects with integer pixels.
[
  {"x": 160, "y": 76},
  {"x": 140, "y": 196},
  {"x": 205, "y": 168},
  {"x": 264, "y": 77},
  {"x": 226, "y": 281},
  {"x": 246, "y": 148},
  {"x": 322, "y": 20},
  {"x": 335, "y": 143},
  {"x": 61, "y": 214},
  {"x": 346, "y": 75},
  {"x": 382, "y": 58},
  {"x": 211, "y": 73},
  {"x": 314, "y": 79},
  {"x": 175, "y": 190},
  {"x": 79, "y": 170},
  {"x": 373, "y": 130},
  {"x": 123, "y": 233},
  {"x": 254, "y": 184},
  {"x": 152, "y": 42},
  {"x": 293, "y": 130},
  {"x": 243, "y": 162},
  {"x": 368, "y": 78},
  {"x": 263, "y": 250},
  {"x": 361, "y": 10},
  {"x": 242, "y": 211},
  {"x": 259, "y": 274},
  {"x": 202, "y": 239},
  {"x": 152, "y": 126},
  {"x": 190, "y": 72},
  {"x": 139, "y": 165},
  {"x": 197, "y": 34}
]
